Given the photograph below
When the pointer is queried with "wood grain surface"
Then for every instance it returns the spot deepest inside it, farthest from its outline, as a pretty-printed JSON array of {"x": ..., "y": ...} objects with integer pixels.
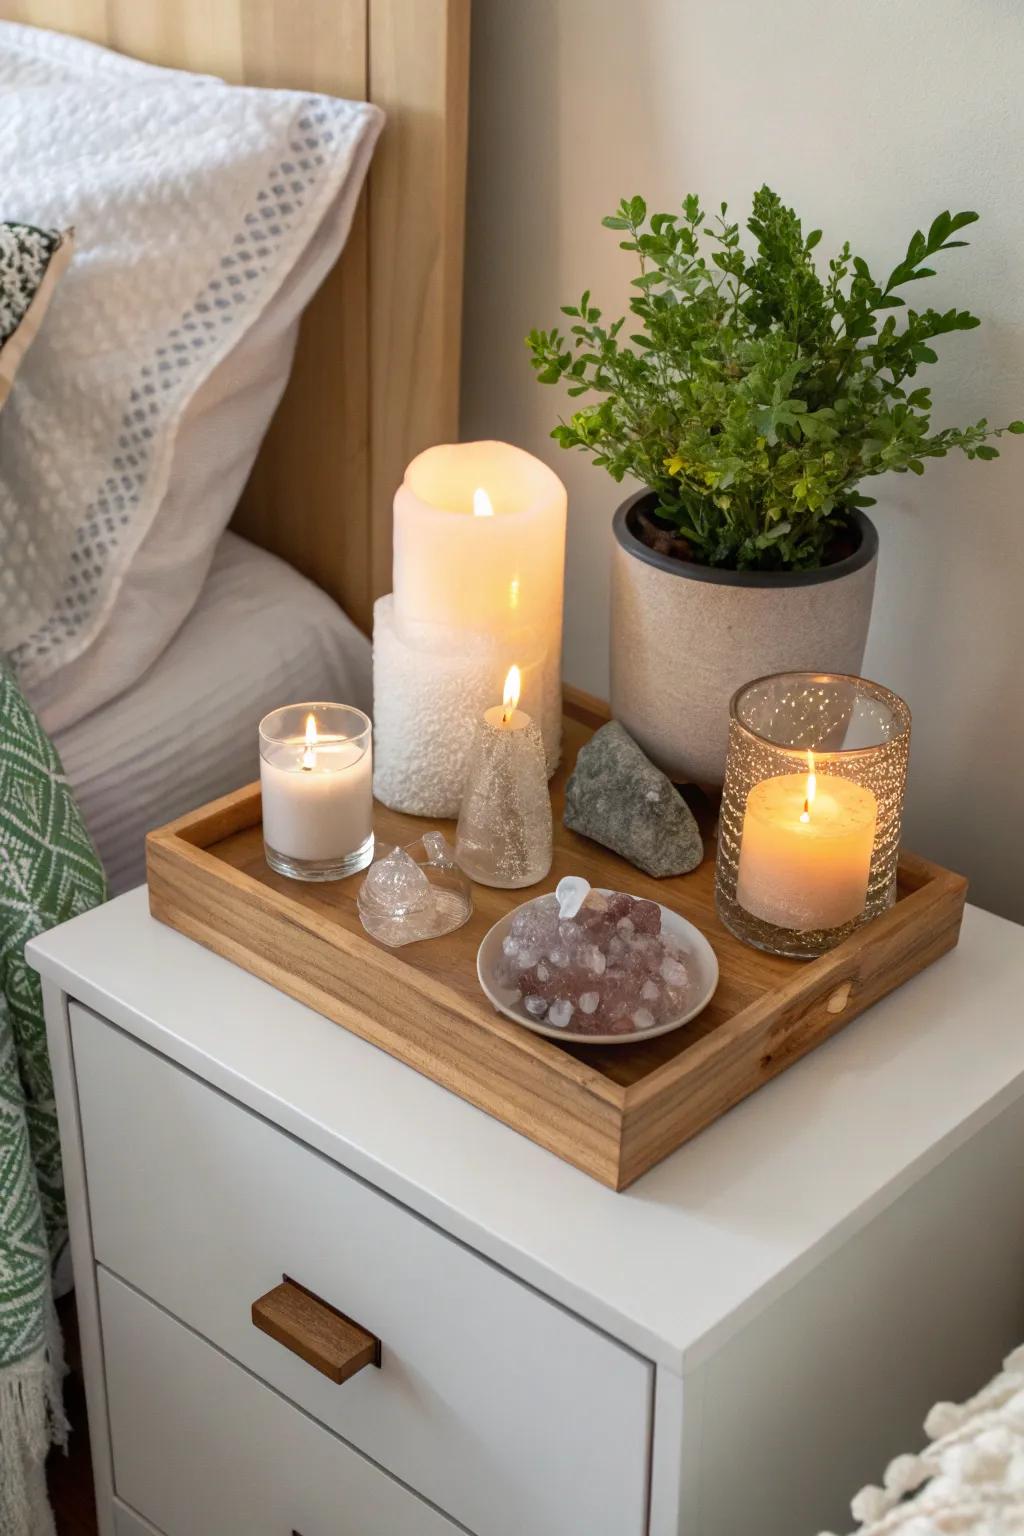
[
  {"x": 315, "y": 1331},
  {"x": 611, "y": 1111}
]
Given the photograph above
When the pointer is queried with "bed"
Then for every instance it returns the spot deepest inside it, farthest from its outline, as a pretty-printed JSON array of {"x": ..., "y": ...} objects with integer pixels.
[
  {"x": 287, "y": 605},
  {"x": 186, "y": 732}
]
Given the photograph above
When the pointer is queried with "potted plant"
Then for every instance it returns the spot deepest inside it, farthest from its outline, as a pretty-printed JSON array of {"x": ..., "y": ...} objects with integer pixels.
[{"x": 752, "y": 398}]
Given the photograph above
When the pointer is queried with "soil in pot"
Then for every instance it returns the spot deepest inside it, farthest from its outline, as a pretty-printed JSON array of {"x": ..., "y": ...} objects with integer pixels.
[{"x": 659, "y": 535}]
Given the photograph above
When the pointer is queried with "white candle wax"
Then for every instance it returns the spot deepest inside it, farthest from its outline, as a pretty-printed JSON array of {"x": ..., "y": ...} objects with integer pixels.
[
  {"x": 505, "y": 719},
  {"x": 320, "y": 812},
  {"x": 804, "y": 864},
  {"x": 496, "y": 570}
]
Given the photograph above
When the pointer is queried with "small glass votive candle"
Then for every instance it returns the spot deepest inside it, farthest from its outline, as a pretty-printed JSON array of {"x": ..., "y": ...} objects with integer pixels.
[
  {"x": 316, "y": 772},
  {"x": 809, "y": 834}
]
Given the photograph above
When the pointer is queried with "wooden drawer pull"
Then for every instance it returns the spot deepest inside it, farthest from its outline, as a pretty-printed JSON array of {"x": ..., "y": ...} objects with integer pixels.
[{"x": 315, "y": 1331}]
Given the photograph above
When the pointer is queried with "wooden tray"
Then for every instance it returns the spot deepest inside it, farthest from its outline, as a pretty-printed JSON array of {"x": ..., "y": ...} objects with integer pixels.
[{"x": 613, "y": 1112}]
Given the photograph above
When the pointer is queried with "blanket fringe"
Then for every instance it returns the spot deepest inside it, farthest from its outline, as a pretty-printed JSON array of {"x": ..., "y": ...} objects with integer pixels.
[{"x": 31, "y": 1420}]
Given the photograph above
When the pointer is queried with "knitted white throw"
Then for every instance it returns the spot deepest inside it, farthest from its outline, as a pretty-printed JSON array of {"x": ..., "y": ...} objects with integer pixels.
[
  {"x": 192, "y": 200},
  {"x": 970, "y": 1479}
]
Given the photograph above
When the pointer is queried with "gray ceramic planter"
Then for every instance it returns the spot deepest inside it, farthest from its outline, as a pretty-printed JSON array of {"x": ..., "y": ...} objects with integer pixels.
[{"x": 685, "y": 637}]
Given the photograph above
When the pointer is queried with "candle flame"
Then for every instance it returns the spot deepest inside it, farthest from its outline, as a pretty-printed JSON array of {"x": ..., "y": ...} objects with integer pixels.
[
  {"x": 309, "y": 755},
  {"x": 812, "y": 788},
  {"x": 513, "y": 592},
  {"x": 482, "y": 506},
  {"x": 510, "y": 698}
]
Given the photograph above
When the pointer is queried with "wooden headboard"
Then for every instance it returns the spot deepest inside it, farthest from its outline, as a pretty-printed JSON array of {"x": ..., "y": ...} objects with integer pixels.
[{"x": 376, "y": 374}]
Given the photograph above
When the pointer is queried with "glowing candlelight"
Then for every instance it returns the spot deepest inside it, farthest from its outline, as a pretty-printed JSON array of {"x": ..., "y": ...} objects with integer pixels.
[
  {"x": 507, "y": 716},
  {"x": 805, "y": 854},
  {"x": 510, "y": 696},
  {"x": 309, "y": 754},
  {"x": 482, "y": 505},
  {"x": 812, "y": 787}
]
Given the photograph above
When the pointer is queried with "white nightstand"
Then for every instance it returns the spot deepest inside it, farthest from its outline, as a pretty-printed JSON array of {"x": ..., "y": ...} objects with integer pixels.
[{"x": 731, "y": 1346}]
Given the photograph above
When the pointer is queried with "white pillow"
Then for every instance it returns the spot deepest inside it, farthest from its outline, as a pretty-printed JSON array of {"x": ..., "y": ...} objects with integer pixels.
[
  {"x": 206, "y": 216},
  {"x": 217, "y": 441}
]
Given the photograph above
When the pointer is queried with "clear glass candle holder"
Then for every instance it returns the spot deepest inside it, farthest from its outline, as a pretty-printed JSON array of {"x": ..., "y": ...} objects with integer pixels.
[
  {"x": 316, "y": 774},
  {"x": 504, "y": 835},
  {"x": 809, "y": 836}
]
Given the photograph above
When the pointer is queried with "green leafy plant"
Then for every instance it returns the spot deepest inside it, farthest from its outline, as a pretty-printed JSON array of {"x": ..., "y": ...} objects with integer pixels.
[{"x": 756, "y": 395}]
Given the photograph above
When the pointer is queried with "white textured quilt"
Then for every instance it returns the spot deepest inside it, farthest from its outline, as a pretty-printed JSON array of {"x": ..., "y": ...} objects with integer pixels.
[{"x": 191, "y": 200}]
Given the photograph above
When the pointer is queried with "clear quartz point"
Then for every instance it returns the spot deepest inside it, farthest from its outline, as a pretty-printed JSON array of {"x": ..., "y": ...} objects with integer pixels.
[
  {"x": 571, "y": 891},
  {"x": 416, "y": 892},
  {"x": 439, "y": 850}
]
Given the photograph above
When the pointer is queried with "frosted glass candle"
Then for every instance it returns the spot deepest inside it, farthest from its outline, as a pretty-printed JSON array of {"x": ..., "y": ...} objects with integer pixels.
[
  {"x": 316, "y": 775},
  {"x": 804, "y": 864},
  {"x": 504, "y": 835}
]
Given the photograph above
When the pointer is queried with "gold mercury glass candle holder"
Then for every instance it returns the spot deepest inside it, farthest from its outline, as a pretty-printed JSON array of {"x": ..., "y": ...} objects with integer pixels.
[{"x": 809, "y": 834}]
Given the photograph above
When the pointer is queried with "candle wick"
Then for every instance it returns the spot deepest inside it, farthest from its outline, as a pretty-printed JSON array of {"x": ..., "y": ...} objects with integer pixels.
[{"x": 805, "y": 814}]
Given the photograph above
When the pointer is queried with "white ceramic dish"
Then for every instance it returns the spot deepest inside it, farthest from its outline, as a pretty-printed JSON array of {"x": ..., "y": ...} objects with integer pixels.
[{"x": 698, "y": 955}]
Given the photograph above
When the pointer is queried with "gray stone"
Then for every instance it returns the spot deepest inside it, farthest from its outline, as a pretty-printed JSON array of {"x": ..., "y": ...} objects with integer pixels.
[{"x": 617, "y": 797}]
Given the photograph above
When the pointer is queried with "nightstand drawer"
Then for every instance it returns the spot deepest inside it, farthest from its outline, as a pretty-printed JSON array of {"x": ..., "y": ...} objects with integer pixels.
[
  {"x": 128, "y": 1523},
  {"x": 202, "y": 1449},
  {"x": 497, "y": 1405}
]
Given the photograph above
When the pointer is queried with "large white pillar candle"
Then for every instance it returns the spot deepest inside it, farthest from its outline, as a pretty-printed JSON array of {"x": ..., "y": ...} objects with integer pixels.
[
  {"x": 316, "y": 775},
  {"x": 805, "y": 853},
  {"x": 479, "y": 566},
  {"x": 479, "y": 545}
]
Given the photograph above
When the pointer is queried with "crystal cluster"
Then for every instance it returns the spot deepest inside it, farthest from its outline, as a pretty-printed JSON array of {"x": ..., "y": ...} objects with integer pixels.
[
  {"x": 416, "y": 892},
  {"x": 594, "y": 964}
]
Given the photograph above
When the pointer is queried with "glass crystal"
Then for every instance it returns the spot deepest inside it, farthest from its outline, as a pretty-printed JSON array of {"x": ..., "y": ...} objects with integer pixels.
[
  {"x": 416, "y": 892},
  {"x": 606, "y": 969},
  {"x": 504, "y": 835},
  {"x": 396, "y": 885},
  {"x": 439, "y": 850},
  {"x": 856, "y": 730}
]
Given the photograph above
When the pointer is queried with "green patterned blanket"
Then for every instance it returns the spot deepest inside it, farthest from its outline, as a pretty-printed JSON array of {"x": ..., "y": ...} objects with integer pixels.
[{"x": 48, "y": 872}]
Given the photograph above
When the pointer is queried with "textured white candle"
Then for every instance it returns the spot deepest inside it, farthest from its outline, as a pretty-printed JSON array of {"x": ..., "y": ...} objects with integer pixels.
[
  {"x": 490, "y": 564},
  {"x": 320, "y": 812},
  {"x": 479, "y": 564},
  {"x": 426, "y": 706},
  {"x": 805, "y": 865}
]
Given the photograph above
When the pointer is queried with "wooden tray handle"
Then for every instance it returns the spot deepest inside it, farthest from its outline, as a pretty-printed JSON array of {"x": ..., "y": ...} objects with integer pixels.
[{"x": 315, "y": 1331}]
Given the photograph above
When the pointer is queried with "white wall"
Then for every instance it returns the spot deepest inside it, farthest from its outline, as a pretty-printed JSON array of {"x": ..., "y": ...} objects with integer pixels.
[{"x": 870, "y": 118}]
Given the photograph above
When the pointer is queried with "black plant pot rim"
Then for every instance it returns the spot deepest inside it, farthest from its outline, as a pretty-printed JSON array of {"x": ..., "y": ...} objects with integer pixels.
[{"x": 622, "y": 526}]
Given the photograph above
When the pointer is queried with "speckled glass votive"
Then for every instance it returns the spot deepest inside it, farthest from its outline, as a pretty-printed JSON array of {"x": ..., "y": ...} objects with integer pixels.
[
  {"x": 504, "y": 835},
  {"x": 809, "y": 835}
]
